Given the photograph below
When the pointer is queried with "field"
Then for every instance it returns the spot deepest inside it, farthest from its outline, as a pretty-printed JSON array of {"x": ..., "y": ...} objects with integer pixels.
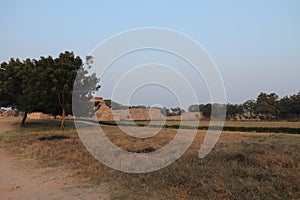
[
  {"x": 229, "y": 123},
  {"x": 245, "y": 123},
  {"x": 242, "y": 165},
  {"x": 236, "y": 126}
]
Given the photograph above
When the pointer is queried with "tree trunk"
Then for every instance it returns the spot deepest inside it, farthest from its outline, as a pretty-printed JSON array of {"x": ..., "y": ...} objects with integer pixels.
[
  {"x": 62, "y": 125},
  {"x": 24, "y": 118}
]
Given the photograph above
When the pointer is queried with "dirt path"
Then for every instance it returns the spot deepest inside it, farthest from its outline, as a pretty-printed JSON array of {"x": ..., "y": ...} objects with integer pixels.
[
  {"x": 7, "y": 124},
  {"x": 20, "y": 179}
]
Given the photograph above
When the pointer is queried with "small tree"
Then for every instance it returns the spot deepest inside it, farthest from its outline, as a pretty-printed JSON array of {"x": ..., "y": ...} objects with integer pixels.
[
  {"x": 233, "y": 110},
  {"x": 267, "y": 104},
  {"x": 249, "y": 106},
  {"x": 194, "y": 108},
  {"x": 205, "y": 109}
]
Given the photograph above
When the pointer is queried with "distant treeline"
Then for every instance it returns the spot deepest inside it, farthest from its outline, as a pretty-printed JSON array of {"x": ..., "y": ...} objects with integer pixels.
[{"x": 266, "y": 106}]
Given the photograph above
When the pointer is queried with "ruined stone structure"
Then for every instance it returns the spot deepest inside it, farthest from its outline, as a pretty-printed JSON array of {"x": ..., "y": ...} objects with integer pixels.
[
  {"x": 105, "y": 113},
  {"x": 144, "y": 114}
]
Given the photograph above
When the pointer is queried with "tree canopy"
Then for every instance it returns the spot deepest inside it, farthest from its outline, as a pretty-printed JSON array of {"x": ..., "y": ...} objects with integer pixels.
[{"x": 45, "y": 85}]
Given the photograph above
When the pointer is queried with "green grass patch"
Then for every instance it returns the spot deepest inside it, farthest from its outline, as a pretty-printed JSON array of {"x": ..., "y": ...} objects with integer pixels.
[{"x": 288, "y": 130}]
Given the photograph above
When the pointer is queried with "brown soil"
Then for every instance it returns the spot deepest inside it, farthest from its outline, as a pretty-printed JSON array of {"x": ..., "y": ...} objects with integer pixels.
[{"x": 22, "y": 179}]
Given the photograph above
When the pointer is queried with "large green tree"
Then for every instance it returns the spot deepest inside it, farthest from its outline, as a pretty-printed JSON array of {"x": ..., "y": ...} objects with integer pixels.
[{"x": 46, "y": 85}]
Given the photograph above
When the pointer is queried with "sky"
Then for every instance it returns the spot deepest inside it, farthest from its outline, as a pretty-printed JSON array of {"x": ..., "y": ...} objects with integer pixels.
[{"x": 255, "y": 44}]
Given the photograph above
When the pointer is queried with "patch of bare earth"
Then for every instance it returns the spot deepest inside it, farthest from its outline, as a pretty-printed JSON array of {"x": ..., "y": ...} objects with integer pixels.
[{"x": 24, "y": 178}]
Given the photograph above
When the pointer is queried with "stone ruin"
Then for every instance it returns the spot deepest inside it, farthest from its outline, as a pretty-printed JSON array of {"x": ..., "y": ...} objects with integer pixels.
[{"x": 106, "y": 113}]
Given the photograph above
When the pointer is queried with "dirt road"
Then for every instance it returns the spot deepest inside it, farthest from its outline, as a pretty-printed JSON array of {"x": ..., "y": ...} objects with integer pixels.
[{"x": 20, "y": 179}]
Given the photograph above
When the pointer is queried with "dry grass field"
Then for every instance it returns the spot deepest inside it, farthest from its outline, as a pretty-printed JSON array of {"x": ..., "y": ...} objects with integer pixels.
[{"x": 241, "y": 166}]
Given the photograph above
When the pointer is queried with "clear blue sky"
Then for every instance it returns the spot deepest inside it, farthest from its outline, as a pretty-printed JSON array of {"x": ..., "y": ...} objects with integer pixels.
[{"x": 255, "y": 43}]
